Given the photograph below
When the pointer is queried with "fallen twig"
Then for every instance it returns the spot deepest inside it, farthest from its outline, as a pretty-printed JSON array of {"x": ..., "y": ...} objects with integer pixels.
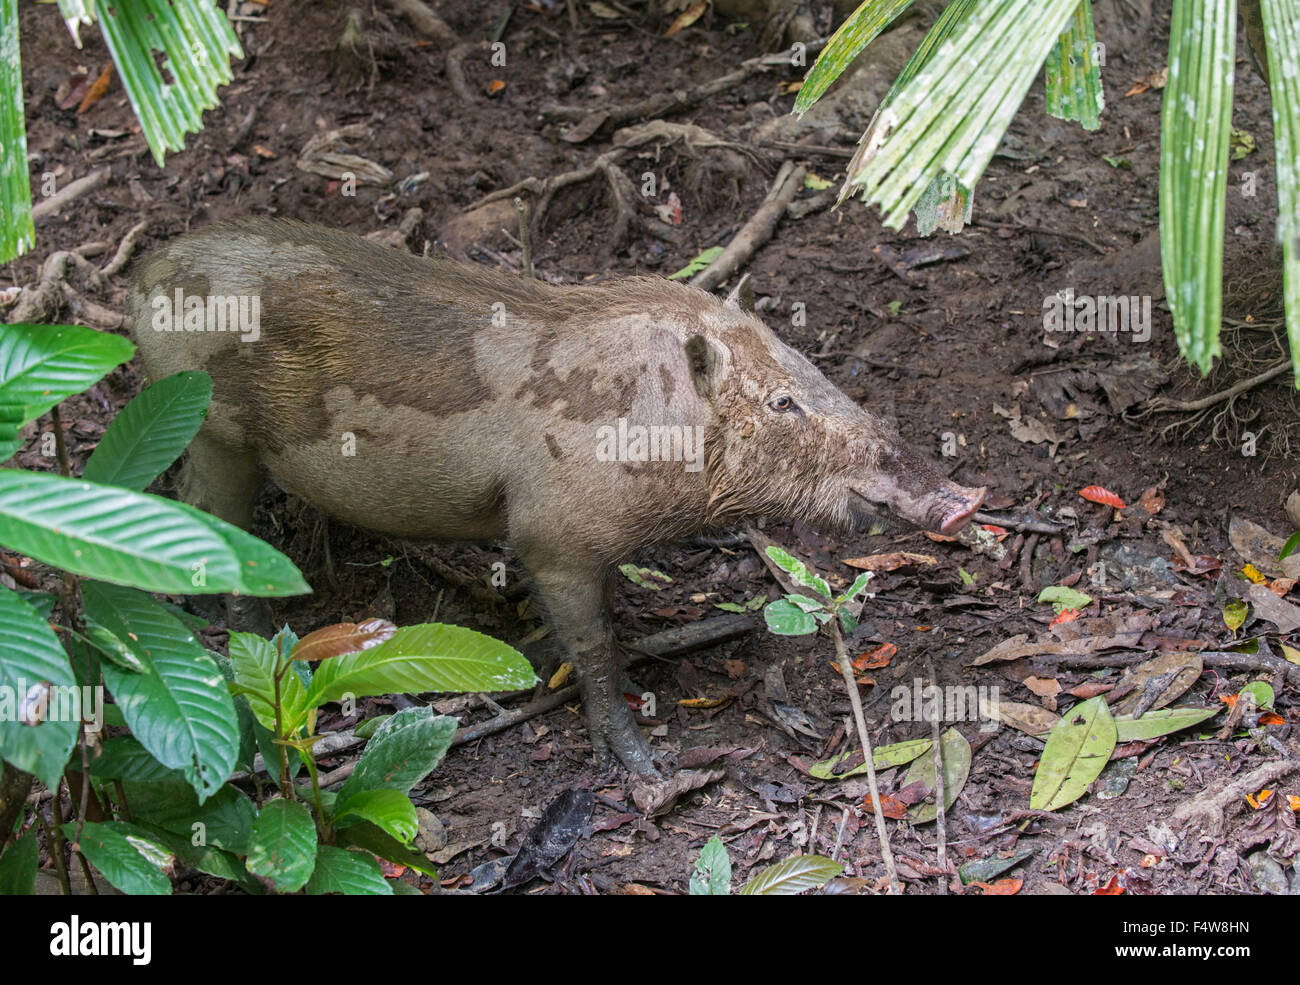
[
  {"x": 48, "y": 207},
  {"x": 757, "y": 231}
]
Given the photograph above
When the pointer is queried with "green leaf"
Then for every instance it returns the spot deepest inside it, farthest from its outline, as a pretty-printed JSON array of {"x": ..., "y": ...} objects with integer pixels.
[
  {"x": 1195, "y": 126},
  {"x": 130, "y": 538},
  {"x": 966, "y": 577},
  {"x": 698, "y": 264},
  {"x": 859, "y": 29},
  {"x": 1290, "y": 546},
  {"x": 42, "y": 602},
  {"x": 151, "y": 432},
  {"x": 1072, "y": 74},
  {"x": 132, "y": 863},
  {"x": 124, "y": 758},
  {"x": 206, "y": 858},
  {"x": 1077, "y": 750},
  {"x": 387, "y": 809},
  {"x": 712, "y": 875},
  {"x": 254, "y": 661},
  {"x": 282, "y": 848},
  {"x": 427, "y": 657},
  {"x": 1063, "y": 598},
  {"x": 381, "y": 843},
  {"x": 792, "y": 876},
  {"x": 350, "y": 873},
  {"x": 366, "y": 729},
  {"x": 18, "y": 866},
  {"x": 859, "y": 585},
  {"x": 1154, "y": 724},
  {"x": 17, "y": 234},
  {"x": 31, "y": 654},
  {"x": 1282, "y": 38},
  {"x": 224, "y": 820},
  {"x": 956, "y": 768},
  {"x": 404, "y": 750},
  {"x": 180, "y": 708},
  {"x": 196, "y": 43},
  {"x": 644, "y": 577},
  {"x": 882, "y": 758},
  {"x": 799, "y": 571},
  {"x": 951, "y": 115},
  {"x": 110, "y": 647},
  {"x": 1262, "y": 692},
  {"x": 786, "y": 619},
  {"x": 42, "y": 364}
]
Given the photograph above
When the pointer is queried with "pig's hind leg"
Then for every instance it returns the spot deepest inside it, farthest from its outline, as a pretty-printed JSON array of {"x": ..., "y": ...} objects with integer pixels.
[
  {"x": 225, "y": 481},
  {"x": 574, "y": 600}
]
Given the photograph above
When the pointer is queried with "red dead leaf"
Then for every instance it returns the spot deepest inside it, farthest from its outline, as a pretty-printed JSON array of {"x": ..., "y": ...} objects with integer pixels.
[
  {"x": 999, "y": 532},
  {"x": 893, "y": 809},
  {"x": 495, "y": 86},
  {"x": 1152, "y": 500},
  {"x": 1090, "y": 690},
  {"x": 341, "y": 638},
  {"x": 1003, "y": 887},
  {"x": 875, "y": 659},
  {"x": 1099, "y": 494},
  {"x": 1065, "y": 615},
  {"x": 97, "y": 89},
  {"x": 1112, "y": 888}
]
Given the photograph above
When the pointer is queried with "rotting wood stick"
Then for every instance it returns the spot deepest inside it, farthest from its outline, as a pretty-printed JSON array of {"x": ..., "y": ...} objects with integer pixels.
[{"x": 757, "y": 231}]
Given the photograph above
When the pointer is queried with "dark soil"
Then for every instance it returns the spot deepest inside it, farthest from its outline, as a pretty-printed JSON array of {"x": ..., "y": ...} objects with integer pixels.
[{"x": 939, "y": 349}]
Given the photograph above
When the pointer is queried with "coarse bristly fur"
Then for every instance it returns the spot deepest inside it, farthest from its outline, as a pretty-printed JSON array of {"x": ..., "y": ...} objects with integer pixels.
[{"x": 423, "y": 397}]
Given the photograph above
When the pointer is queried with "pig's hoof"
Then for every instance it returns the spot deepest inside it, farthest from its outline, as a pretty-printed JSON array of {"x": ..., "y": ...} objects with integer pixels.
[{"x": 627, "y": 744}]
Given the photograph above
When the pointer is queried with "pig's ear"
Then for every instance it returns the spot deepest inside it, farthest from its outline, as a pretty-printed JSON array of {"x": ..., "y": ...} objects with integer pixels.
[
  {"x": 742, "y": 296},
  {"x": 702, "y": 361}
]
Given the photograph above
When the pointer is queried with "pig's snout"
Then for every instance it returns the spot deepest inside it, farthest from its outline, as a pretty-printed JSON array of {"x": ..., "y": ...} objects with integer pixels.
[
  {"x": 909, "y": 486},
  {"x": 958, "y": 506}
]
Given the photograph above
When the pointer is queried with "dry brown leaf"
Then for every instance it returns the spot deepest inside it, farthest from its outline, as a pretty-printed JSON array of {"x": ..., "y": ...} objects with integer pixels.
[
  {"x": 1186, "y": 667},
  {"x": 341, "y": 638},
  {"x": 890, "y": 562},
  {"x": 97, "y": 89}
]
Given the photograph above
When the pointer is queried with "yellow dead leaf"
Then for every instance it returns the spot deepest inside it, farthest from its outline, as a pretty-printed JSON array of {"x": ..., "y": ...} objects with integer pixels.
[{"x": 562, "y": 674}]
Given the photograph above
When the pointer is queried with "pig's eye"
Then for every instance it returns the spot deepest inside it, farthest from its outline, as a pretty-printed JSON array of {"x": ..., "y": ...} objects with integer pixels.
[{"x": 784, "y": 404}]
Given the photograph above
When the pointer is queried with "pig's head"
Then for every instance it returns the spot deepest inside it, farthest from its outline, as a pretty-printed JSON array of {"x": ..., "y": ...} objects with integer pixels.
[{"x": 786, "y": 443}]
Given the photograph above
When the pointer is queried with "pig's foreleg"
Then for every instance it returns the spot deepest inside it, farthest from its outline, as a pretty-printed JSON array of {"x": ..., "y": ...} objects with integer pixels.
[{"x": 575, "y": 605}]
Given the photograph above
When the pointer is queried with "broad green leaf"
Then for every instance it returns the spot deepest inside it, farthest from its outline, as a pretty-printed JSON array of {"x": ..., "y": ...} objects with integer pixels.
[
  {"x": 42, "y": 364},
  {"x": 712, "y": 875},
  {"x": 130, "y": 862},
  {"x": 427, "y": 657},
  {"x": 1235, "y": 612},
  {"x": 799, "y": 571},
  {"x": 366, "y": 729},
  {"x": 225, "y": 820},
  {"x": 786, "y": 619},
  {"x": 254, "y": 661},
  {"x": 1062, "y": 598},
  {"x": 350, "y": 873},
  {"x": 1154, "y": 724},
  {"x": 792, "y": 876},
  {"x": 882, "y": 758},
  {"x": 1262, "y": 692},
  {"x": 1072, "y": 74},
  {"x": 282, "y": 848},
  {"x": 195, "y": 42},
  {"x": 387, "y": 809},
  {"x": 179, "y": 708},
  {"x": 151, "y": 432},
  {"x": 404, "y": 750},
  {"x": 859, "y": 585},
  {"x": 206, "y": 858},
  {"x": 1289, "y": 548},
  {"x": 1195, "y": 126},
  {"x": 1077, "y": 750},
  {"x": 111, "y": 648},
  {"x": 42, "y": 602},
  {"x": 18, "y": 866},
  {"x": 17, "y": 234},
  {"x": 381, "y": 843},
  {"x": 75, "y": 13},
  {"x": 30, "y": 654},
  {"x": 956, "y": 768},
  {"x": 859, "y": 29},
  {"x": 1282, "y": 37},
  {"x": 698, "y": 264},
  {"x": 124, "y": 758},
  {"x": 130, "y": 538}
]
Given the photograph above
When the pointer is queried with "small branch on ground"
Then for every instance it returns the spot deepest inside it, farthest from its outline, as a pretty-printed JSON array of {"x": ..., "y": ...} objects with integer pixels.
[{"x": 757, "y": 231}]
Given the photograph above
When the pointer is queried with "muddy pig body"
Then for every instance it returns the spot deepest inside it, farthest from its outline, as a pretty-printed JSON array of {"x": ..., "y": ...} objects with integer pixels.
[{"x": 426, "y": 398}]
